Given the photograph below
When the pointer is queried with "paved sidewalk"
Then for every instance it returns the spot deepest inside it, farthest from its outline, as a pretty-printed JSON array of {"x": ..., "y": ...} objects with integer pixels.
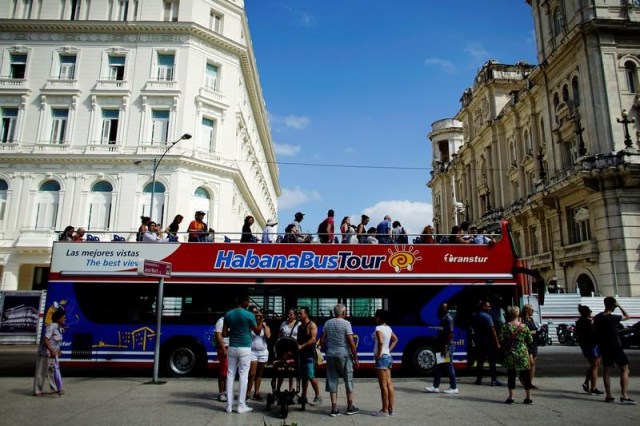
[{"x": 111, "y": 401}]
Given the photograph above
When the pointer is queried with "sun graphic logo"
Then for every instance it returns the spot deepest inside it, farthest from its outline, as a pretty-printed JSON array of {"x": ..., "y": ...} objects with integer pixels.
[{"x": 403, "y": 257}]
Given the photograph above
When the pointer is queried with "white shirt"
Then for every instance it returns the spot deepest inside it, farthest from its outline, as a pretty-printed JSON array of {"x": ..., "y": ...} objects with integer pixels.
[
  {"x": 386, "y": 338},
  {"x": 218, "y": 329},
  {"x": 285, "y": 329}
]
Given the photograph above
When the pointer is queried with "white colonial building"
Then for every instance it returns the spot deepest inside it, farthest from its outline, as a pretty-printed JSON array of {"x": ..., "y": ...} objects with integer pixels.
[
  {"x": 555, "y": 148},
  {"x": 93, "y": 93}
]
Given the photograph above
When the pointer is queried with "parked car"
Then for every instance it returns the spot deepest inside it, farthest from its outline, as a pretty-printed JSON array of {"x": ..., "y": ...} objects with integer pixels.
[{"x": 630, "y": 336}]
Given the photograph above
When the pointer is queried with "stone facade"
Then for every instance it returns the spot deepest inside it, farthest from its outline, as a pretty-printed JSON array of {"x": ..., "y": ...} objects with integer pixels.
[
  {"x": 550, "y": 148},
  {"x": 93, "y": 94}
]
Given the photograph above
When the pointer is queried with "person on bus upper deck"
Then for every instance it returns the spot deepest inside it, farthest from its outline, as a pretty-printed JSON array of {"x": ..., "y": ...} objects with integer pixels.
[
  {"x": 67, "y": 234},
  {"x": 487, "y": 343},
  {"x": 289, "y": 235},
  {"x": 361, "y": 229},
  {"x": 79, "y": 235},
  {"x": 247, "y": 234},
  {"x": 371, "y": 236},
  {"x": 197, "y": 228},
  {"x": 297, "y": 227},
  {"x": 458, "y": 236},
  {"x": 345, "y": 226},
  {"x": 479, "y": 238},
  {"x": 384, "y": 230},
  {"x": 174, "y": 227},
  {"x": 144, "y": 222},
  {"x": 398, "y": 233},
  {"x": 342, "y": 358},
  {"x": 326, "y": 228},
  {"x": 269, "y": 234},
  {"x": 427, "y": 235}
]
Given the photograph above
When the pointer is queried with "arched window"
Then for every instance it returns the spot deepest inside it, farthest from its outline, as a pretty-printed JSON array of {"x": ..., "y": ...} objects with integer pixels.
[
  {"x": 576, "y": 91},
  {"x": 565, "y": 93},
  {"x": 556, "y": 101},
  {"x": 201, "y": 200},
  {"x": 48, "y": 199},
  {"x": 99, "y": 215},
  {"x": 631, "y": 76},
  {"x": 158, "y": 201},
  {"x": 3, "y": 197},
  {"x": 542, "y": 135},
  {"x": 527, "y": 142}
]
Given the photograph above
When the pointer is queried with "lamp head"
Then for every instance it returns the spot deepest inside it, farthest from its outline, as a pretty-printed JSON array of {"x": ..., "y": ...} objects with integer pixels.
[{"x": 185, "y": 136}]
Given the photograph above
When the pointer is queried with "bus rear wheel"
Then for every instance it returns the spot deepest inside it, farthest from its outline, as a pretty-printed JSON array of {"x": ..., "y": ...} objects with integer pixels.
[
  {"x": 423, "y": 359},
  {"x": 184, "y": 360}
]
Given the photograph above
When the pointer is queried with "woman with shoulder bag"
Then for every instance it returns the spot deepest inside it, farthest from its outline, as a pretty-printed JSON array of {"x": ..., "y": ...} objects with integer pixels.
[{"x": 514, "y": 338}]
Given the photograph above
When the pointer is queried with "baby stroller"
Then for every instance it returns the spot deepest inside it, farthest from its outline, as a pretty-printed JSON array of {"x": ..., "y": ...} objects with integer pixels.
[{"x": 285, "y": 366}]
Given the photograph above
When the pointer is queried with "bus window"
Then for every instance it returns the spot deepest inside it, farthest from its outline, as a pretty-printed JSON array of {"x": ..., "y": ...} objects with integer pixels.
[{"x": 320, "y": 308}]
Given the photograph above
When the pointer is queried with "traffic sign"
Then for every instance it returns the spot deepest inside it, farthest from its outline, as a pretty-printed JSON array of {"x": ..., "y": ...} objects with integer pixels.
[{"x": 154, "y": 268}]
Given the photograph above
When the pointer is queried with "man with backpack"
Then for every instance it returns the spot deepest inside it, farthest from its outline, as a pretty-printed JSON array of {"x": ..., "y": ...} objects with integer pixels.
[{"x": 326, "y": 228}]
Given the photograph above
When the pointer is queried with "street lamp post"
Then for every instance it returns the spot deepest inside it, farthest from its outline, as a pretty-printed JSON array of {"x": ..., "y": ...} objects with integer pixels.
[{"x": 156, "y": 163}]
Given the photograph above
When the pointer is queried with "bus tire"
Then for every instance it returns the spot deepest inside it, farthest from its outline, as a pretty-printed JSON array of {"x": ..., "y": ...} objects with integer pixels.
[
  {"x": 184, "y": 358},
  {"x": 421, "y": 358}
]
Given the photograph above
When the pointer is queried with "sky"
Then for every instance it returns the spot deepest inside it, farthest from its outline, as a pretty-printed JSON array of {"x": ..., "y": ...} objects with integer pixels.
[{"x": 352, "y": 88}]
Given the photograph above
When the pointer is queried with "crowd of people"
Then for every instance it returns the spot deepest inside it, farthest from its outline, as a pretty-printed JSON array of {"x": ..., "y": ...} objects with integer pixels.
[{"x": 386, "y": 232}]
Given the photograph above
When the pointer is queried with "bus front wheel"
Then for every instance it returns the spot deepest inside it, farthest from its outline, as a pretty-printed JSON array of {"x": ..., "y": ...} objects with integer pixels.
[
  {"x": 184, "y": 359},
  {"x": 423, "y": 359}
]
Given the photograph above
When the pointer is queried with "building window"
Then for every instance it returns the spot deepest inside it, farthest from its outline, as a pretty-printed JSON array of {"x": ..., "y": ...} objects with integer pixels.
[
  {"x": 202, "y": 201},
  {"x": 207, "y": 135},
  {"x": 75, "y": 10},
  {"x": 27, "y": 6},
  {"x": 67, "y": 67},
  {"x": 159, "y": 127},
  {"x": 171, "y": 10},
  {"x": 165, "y": 66},
  {"x": 3, "y": 197},
  {"x": 631, "y": 76},
  {"x": 558, "y": 22},
  {"x": 565, "y": 94},
  {"x": 47, "y": 205},
  {"x": 109, "y": 126},
  {"x": 211, "y": 77},
  {"x": 215, "y": 22},
  {"x": 576, "y": 91},
  {"x": 533, "y": 240},
  {"x": 527, "y": 142},
  {"x": 18, "y": 66},
  {"x": 59, "y": 118},
  {"x": 40, "y": 278},
  {"x": 9, "y": 120},
  {"x": 116, "y": 67},
  {"x": 579, "y": 229},
  {"x": 100, "y": 206},
  {"x": 158, "y": 200}
]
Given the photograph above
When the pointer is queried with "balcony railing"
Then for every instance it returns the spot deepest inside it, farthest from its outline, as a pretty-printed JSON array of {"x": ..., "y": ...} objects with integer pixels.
[
  {"x": 100, "y": 146},
  {"x": 112, "y": 85},
  {"x": 61, "y": 84},
  {"x": 52, "y": 146},
  {"x": 13, "y": 83},
  {"x": 211, "y": 93}
]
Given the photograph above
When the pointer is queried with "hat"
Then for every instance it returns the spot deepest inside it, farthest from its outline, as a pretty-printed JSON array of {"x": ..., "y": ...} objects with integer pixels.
[
  {"x": 271, "y": 222},
  {"x": 200, "y": 212},
  {"x": 299, "y": 214}
]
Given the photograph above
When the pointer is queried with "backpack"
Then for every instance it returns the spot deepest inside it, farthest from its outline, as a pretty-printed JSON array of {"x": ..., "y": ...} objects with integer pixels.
[
  {"x": 322, "y": 231},
  {"x": 403, "y": 238}
]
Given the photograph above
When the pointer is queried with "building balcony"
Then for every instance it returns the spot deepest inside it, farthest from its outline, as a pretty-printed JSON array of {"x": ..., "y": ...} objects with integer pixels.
[
  {"x": 35, "y": 241},
  {"x": 211, "y": 94},
  {"x": 61, "y": 85},
  {"x": 541, "y": 261},
  {"x": 583, "y": 251},
  {"x": 52, "y": 146},
  {"x": 161, "y": 86},
  {"x": 100, "y": 147},
  {"x": 9, "y": 146},
  {"x": 13, "y": 84},
  {"x": 112, "y": 86}
]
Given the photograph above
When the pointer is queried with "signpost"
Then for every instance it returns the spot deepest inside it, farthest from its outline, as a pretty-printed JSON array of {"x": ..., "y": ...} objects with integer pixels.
[{"x": 162, "y": 270}]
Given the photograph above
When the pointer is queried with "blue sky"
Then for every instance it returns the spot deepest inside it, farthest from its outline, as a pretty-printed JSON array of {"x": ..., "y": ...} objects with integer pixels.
[{"x": 352, "y": 87}]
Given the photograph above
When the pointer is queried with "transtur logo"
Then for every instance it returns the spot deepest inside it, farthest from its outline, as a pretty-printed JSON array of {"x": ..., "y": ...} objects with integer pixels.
[{"x": 449, "y": 258}]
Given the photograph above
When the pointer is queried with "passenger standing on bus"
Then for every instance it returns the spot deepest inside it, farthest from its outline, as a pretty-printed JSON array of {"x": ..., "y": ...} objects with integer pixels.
[
  {"x": 384, "y": 341},
  {"x": 342, "y": 358},
  {"x": 238, "y": 324},
  {"x": 48, "y": 353},
  {"x": 446, "y": 346},
  {"x": 259, "y": 355},
  {"x": 384, "y": 229},
  {"x": 222, "y": 346},
  {"x": 174, "y": 227},
  {"x": 197, "y": 228},
  {"x": 269, "y": 232},
  {"x": 247, "y": 234},
  {"x": 307, "y": 339},
  {"x": 289, "y": 328},
  {"x": 487, "y": 344},
  {"x": 144, "y": 222},
  {"x": 361, "y": 229},
  {"x": 297, "y": 227}
]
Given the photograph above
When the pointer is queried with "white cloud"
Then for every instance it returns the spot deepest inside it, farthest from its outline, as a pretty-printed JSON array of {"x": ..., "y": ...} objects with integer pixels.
[
  {"x": 479, "y": 55},
  {"x": 446, "y": 66},
  {"x": 296, "y": 122},
  {"x": 413, "y": 215},
  {"x": 293, "y": 197},
  {"x": 307, "y": 20},
  {"x": 286, "y": 150}
]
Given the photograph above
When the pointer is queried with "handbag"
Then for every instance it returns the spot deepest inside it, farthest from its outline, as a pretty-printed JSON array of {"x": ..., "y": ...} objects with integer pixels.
[{"x": 318, "y": 358}]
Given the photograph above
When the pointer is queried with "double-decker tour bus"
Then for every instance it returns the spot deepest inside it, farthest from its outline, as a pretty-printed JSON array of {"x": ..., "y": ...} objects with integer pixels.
[{"x": 111, "y": 310}]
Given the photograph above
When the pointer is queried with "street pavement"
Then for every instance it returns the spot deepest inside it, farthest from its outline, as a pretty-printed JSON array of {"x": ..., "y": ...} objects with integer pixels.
[{"x": 132, "y": 401}]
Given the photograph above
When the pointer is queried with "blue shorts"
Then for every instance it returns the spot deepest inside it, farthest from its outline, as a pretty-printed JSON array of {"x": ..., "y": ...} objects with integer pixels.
[
  {"x": 591, "y": 351},
  {"x": 384, "y": 362},
  {"x": 307, "y": 369}
]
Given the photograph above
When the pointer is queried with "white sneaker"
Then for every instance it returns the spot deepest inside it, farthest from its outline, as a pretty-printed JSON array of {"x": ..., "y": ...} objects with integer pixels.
[
  {"x": 242, "y": 409},
  {"x": 229, "y": 409},
  {"x": 222, "y": 397},
  {"x": 451, "y": 391},
  {"x": 431, "y": 389}
]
